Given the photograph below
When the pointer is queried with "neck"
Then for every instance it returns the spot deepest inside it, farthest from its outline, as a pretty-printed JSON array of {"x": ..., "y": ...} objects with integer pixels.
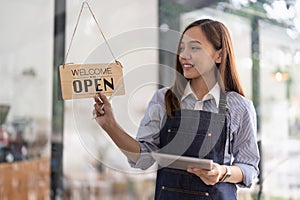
[{"x": 202, "y": 85}]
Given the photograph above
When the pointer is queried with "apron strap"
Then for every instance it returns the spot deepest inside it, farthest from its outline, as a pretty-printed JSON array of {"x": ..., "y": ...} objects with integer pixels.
[{"x": 222, "y": 103}]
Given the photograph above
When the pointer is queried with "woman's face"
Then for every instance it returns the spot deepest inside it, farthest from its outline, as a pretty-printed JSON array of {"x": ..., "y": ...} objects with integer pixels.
[{"x": 197, "y": 55}]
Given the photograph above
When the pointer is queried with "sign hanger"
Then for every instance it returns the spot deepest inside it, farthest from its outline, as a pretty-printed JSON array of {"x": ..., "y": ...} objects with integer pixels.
[
  {"x": 75, "y": 29},
  {"x": 85, "y": 80}
]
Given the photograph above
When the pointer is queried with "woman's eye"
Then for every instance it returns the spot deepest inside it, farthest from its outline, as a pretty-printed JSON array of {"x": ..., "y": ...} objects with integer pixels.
[
  {"x": 181, "y": 49},
  {"x": 195, "y": 48}
]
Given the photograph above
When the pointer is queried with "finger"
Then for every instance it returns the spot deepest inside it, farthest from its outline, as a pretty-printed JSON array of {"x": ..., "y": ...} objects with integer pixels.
[
  {"x": 103, "y": 98},
  {"x": 97, "y": 98},
  {"x": 212, "y": 172},
  {"x": 96, "y": 110},
  {"x": 98, "y": 107},
  {"x": 196, "y": 170},
  {"x": 191, "y": 170},
  {"x": 95, "y": 114},
  {"x": 102, "y": 111}
]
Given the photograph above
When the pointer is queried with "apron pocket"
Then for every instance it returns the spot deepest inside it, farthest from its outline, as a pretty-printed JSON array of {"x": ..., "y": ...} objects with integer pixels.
[{"x": 167, "y": 193}]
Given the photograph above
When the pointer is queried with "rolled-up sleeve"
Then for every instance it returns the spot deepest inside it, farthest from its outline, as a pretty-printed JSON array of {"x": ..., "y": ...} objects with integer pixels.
[
  {"x": 245, "y": 149},
  {"x": 149, "y": 129}
]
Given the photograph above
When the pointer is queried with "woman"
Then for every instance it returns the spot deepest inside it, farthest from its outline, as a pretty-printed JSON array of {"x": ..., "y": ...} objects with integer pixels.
[{"x": 204, "y": 114}]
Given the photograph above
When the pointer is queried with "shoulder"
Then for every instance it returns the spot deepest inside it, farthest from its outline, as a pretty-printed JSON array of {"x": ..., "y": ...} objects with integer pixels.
[
  {"x": 238, "y": 103},
  {"x": 159, "y": 96},
  {"x": 156, "y": 107},
  {"x": 240, "y": 109}
]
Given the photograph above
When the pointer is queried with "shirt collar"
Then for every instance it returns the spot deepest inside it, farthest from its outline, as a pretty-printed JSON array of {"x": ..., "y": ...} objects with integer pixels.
[{"x": 214, "y": 92}]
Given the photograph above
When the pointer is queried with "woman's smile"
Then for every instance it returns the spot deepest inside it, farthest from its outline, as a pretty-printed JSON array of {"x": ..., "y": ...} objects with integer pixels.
[{"x": 187, "y": 65}]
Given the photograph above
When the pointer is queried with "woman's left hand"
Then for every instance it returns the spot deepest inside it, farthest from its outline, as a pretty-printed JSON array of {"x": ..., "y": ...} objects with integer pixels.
[{"x": 209, "y": 177}]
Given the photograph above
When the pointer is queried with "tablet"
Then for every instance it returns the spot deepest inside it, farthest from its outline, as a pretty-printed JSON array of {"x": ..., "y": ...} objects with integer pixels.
[{"x": 181, "y": 162}]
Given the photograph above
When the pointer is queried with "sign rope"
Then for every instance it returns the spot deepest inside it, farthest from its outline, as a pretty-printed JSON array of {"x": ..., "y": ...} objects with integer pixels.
[{"x": 75, "y": 29}]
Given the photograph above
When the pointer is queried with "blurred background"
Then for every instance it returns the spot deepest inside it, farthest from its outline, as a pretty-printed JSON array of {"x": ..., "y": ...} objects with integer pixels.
[{"x": 52, "y": 149}]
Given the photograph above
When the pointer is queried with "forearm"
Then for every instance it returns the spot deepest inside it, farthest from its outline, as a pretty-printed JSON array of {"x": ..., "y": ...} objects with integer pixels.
[
  {"x": 104, "y": 117},
  {"x": 128, "y": 145}
]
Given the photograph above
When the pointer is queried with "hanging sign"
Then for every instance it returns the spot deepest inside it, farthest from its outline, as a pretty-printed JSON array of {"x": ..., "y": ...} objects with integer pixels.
[{"x": 85, "y": 80}]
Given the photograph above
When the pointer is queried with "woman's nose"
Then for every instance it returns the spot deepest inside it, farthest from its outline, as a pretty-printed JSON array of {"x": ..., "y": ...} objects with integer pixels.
[{"x": 185, "y": 54}]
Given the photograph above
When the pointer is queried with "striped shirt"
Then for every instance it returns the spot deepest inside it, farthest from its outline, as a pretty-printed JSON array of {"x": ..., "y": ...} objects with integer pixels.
[{"x": 241, "y": 125}]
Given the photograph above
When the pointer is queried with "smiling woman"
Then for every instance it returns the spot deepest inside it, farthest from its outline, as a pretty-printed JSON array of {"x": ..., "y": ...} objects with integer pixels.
[{"x": 203, "y": 115}]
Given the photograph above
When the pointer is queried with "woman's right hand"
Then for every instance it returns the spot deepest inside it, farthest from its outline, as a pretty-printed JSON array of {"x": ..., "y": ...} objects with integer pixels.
[{"x": 103, "y": 112}]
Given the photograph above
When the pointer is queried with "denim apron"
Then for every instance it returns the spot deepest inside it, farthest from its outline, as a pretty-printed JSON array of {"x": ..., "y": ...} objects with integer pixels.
[{"x": 193, "y": 133}]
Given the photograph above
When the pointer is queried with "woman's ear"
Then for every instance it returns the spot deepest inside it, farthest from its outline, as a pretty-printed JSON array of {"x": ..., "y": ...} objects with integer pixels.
[{"x": 218, "y": 57}]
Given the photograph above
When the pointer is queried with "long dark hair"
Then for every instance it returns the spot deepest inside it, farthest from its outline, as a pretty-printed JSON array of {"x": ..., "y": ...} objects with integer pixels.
[{"x": 218, "y": 35}]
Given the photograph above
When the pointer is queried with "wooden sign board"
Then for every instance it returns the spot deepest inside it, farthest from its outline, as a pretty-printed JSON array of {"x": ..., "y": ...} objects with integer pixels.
[{"x": 85, "y": 80}]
